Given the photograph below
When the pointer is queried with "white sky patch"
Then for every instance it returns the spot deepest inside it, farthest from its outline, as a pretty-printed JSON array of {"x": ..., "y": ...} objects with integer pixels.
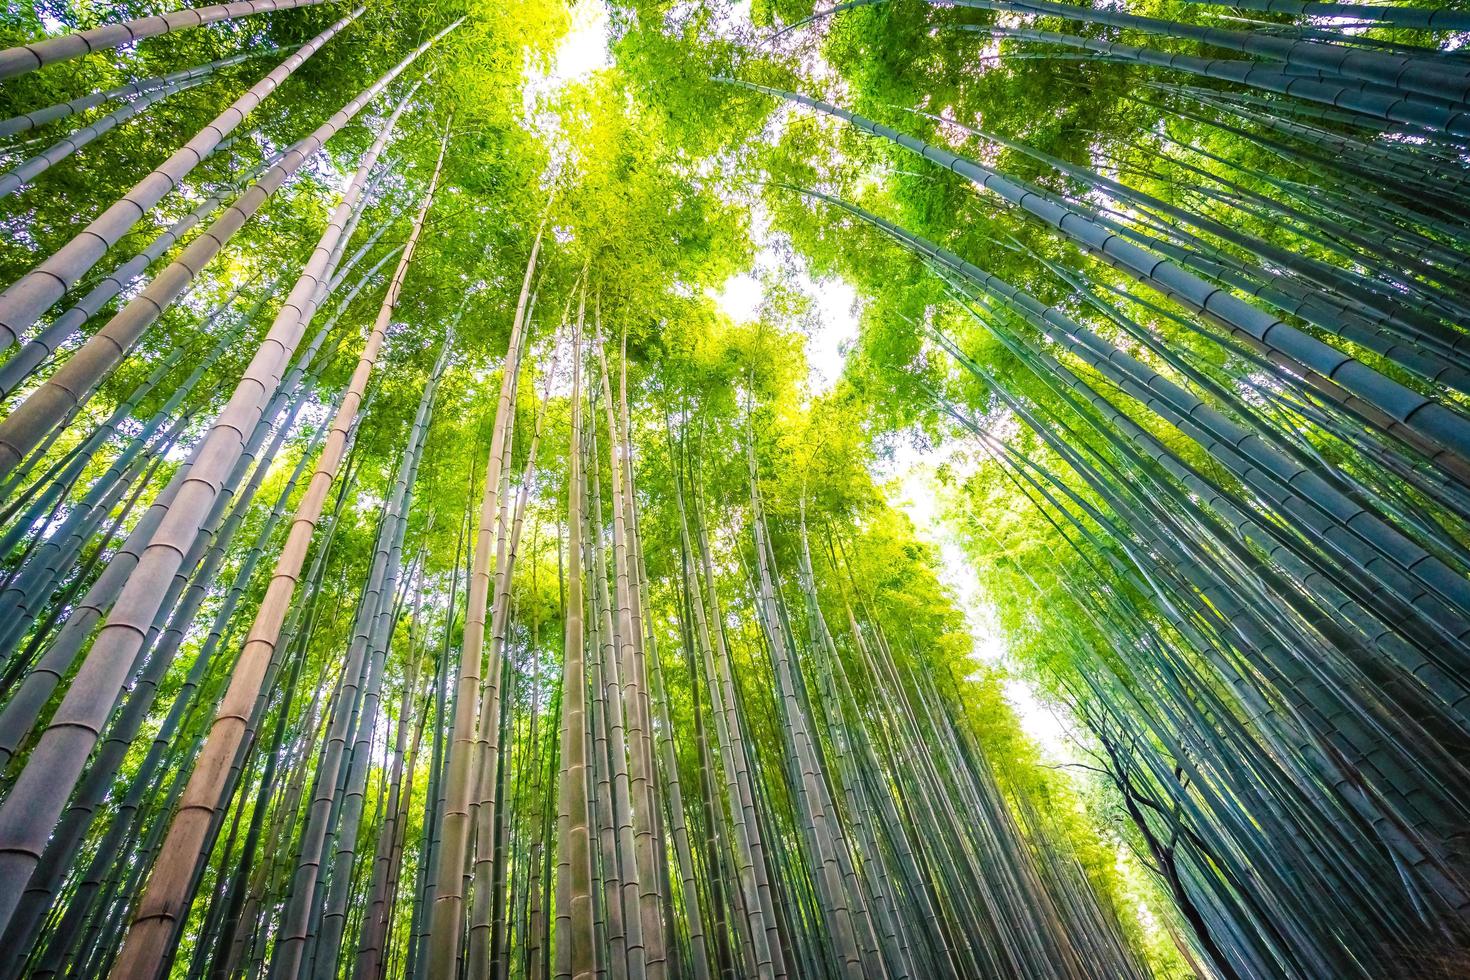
[
  {"x": 910, "y": 475},
  {"x": 584, "y": 49},
  {"x": 740, "y": 297},
  {"x": 834, "y": 305},
  {"x": 582, "y": 52},
  {"x": 1042, "y": 723},
  {"x": 826, "y": 349}
]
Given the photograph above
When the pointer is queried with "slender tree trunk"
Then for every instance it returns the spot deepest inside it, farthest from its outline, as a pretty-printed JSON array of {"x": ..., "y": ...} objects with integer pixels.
[
  {"x": 576, "y": 942},
  {"x": 163, "y": 903},
  {"x": 447, "y": 925}
]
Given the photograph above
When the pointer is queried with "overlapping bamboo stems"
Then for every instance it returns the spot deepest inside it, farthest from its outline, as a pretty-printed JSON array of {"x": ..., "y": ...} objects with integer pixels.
[
  {"x": 101, "y": 772},
  {"x": 1204, "y": 431},
  {"x": 47, "y": 406},
  {"x": 22, "y": 711},
  {"x": 207, "y": 551},
  {"x": 334, "y": 785},
  {"x": 1414, "y": 70},
  {"x": 483, "y": 867},
  {"x": 916, "y": 781},
  {"x": 1367, "y": 98},
  {"x": 169, "y": 412},
  {"x": 576, "y": 942},
  {"x": 188, "y": 608},
  {"x": 434, "y": 798},
  {"x": 248, "y": 878},
  {"x": 1441, "y": 687},
  {"x": 504, "y": 880},
  {"x": 540, "y": 863},
  {"x": 99, "y": 779},
  {"x": 290, "y": 391},
  {"x": 894, "y": 935},
  {"x": 30, "y": 506},
  {"x": 757, "y": 928},
  {"x": 1371, "y": 322},
  {"x": 1397, "y": 207},
  {"x": 34, "y": 581},
  {"x": 709, "y": 816},
  {"x": 48, "y": 490},
  {"x": 1269, "y": 429},
  {"x": 643, "y": 648},
  {"x": 28, "y": 57},
  {"x": 373, "y": 946},
  {"x": 631, "y": 695},
  {"x": 667, "y": 754},
  {"x": 271, "y": 889},
  {"x": 1405, "y": 408},
  {"x": 711, "y": 840},
  {"x": 988, "y": 882},
  {"x": 1392, "y": 256},
  {"x": 27, "y": 170},
  {"x": 67, "y": 741},
  {"x": 1412, "y": 17},
  {"x": 36, "y": 118},
  {"x": 1179, "y": 561},
  {"x": 377, "y": 633},
  {"x": 32, "y": 354},
  {"x": 814, "y": 808},
  {"x": 377, "y": 923},
  {"x": 448, "y": 914},
  {"x": 915, "y": 881},
  {"x": 82, "y": 576},
  {"x": 488, "y": 870},
  {"x": 30, "y": 296},
  {"x": 612, "y": 803},
  {"x": 203, "y": 798}
]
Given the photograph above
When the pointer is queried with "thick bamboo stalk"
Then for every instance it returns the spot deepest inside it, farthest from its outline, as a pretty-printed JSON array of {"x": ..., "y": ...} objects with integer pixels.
[
  {"x": 492, "y": 807},
  {"x": 632, "y": 694},
  {"x": 166, "y": 898},
  {"x": 31, "y": 295},
  {"x": 1402, "y": 405},
  {"x": 1419, "y": 71},
  {"x": 26, "y": 818},
  {"x": 168, "y": 629},
  {"x": 615, "y": 817},
  {"x": 1366, "y": 98},
  {"x": 1325, "y": 507},
  {"x": 1413, "y": 17},
  {"x": 28, "y": 57},
  {"x": 46, "y": 407},
  {"x": 28, "y": 170},
  {"x": 447, "y": 925},
  {"x": 575, "y": 939},
  {"x": 23, "y": 363},
  {"x": 36, "y": 118}
]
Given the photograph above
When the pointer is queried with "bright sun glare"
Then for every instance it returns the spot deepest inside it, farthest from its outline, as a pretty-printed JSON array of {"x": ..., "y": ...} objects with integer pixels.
[{"x": 584, "y": 49}]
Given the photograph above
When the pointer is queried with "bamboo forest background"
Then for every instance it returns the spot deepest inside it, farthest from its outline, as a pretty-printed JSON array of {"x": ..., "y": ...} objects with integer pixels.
[{"x": 410, "y": 567}]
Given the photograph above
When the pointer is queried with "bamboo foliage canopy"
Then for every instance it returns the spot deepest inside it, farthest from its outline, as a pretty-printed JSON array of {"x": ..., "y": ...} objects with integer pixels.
[{"x": 596, "y": 490}]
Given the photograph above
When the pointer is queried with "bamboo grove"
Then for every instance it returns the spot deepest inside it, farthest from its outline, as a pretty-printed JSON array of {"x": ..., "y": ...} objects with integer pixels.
[{"x": 410, "y": 567}]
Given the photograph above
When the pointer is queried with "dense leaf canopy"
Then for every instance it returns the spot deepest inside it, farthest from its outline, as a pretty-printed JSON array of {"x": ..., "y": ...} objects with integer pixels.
[{"x": 919, "y": 488}]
